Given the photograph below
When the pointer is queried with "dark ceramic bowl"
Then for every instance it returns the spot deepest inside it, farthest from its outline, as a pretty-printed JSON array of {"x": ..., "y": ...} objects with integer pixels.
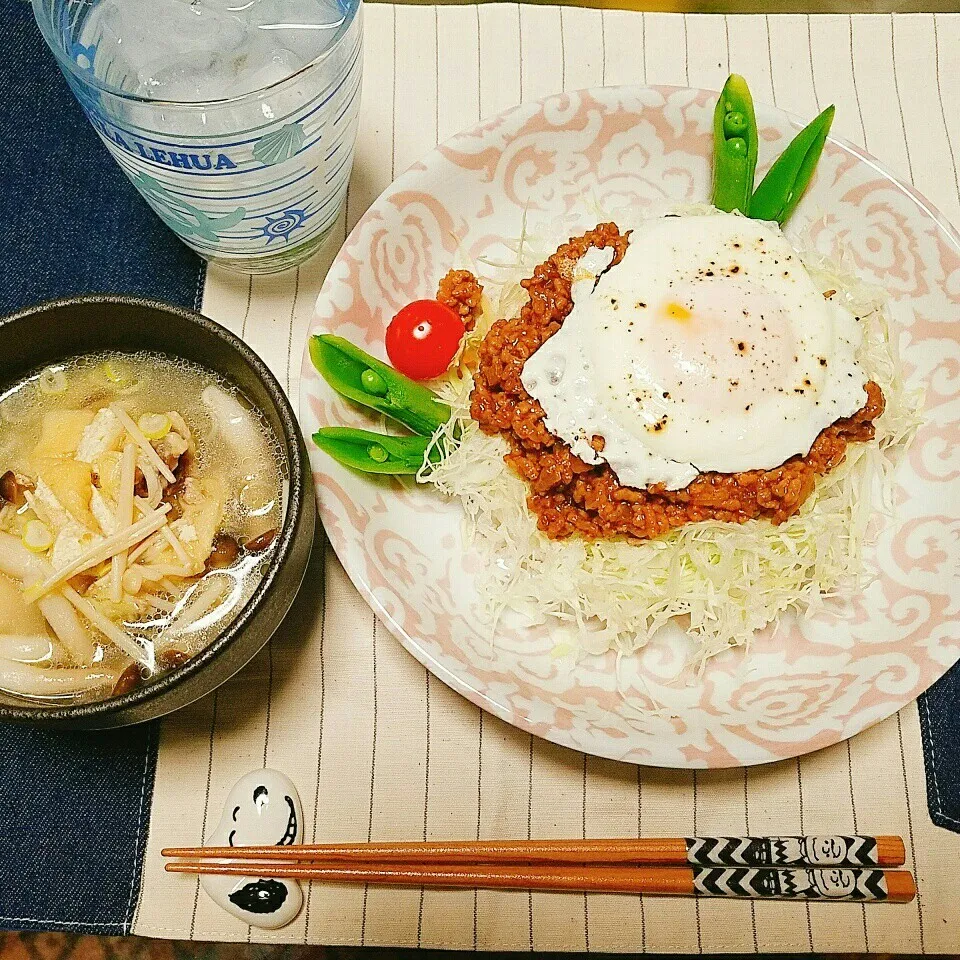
[{"x": 54, "y": 331}]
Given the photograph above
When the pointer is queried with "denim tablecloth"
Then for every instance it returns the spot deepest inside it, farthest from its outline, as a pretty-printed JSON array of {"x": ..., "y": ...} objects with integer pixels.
[{"x": 73, "y": 806}]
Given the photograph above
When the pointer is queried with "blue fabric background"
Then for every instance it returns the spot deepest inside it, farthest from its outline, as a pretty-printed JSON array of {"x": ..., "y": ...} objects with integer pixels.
[
  {"x": 74, "y": 807},
  {"x": 940, "y": 729},
  {"x": 71, "y": 221}
]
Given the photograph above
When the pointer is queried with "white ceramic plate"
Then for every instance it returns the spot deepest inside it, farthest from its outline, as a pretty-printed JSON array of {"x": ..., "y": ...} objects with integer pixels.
[{"x": 812, "y": 683}]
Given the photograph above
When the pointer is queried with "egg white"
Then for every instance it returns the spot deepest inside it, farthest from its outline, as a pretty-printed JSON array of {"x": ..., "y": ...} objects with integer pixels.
[{"x": 707, "y": 348}]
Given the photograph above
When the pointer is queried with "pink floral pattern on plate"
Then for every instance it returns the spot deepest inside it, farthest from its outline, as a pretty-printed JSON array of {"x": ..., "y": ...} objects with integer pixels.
[{"x": 801, "y": 687}]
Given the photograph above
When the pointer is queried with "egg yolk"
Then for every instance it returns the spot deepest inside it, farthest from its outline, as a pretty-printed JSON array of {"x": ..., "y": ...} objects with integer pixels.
[
  {"x": 729, "y": 344},
  {"x": 677, "y": 311}
]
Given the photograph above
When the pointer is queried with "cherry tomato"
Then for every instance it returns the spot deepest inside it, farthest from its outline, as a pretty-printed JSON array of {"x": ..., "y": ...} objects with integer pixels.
[{"x": 423, "y": 338}]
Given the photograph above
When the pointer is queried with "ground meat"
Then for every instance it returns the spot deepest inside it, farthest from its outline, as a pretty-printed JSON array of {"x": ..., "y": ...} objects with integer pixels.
[
  {"x": 460, "y": 291},
  {"x": 570, "y": 497}
]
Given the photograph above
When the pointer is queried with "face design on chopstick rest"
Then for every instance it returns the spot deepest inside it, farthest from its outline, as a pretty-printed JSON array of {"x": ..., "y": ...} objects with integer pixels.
[
  {"x": 261, "y": 896},
  {"x": 262, "y": 817},
  {"x": 262, "y": 808}
]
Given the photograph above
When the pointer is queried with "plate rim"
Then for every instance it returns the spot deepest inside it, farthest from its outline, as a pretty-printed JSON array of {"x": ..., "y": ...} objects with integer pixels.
[{"x": 416, "y": 647}]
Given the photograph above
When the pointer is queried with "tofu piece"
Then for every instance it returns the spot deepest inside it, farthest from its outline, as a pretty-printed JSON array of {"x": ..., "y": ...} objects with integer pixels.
[
  {"x": 103, "y": 512},
  {"x": 71, "y": 541},
  {"x": 61, "y": 432},
  {"x": 106, "y": 467},
  {"x": 52, "y": 510},
  {"x": 197, "y": 527},
  {"x": 70, "y": 482},
  {"x": 101, "y": 435}
]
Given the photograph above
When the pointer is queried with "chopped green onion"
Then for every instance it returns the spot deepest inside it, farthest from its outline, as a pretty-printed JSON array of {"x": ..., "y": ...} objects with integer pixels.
[
  {"x": 154, "y": 426},
  {"x": 37, "y": 536}
]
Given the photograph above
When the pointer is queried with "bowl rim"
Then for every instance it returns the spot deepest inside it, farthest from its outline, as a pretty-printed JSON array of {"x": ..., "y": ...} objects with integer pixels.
[{"x": 299, "y": 471}]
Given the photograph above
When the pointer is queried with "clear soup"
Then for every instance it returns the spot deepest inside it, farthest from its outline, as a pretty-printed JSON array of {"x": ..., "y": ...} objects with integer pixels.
[{"x": 139, "y": 501}]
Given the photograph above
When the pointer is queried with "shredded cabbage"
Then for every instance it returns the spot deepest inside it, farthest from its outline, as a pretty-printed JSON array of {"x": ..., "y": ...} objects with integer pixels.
[{"x": 722, "y": 581}]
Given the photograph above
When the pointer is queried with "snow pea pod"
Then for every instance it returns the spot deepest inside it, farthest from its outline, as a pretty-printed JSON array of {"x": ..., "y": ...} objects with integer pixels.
[
  {"x": 734, "y": 146},
  {"x": 359, "y": 377},
  {"x": 783, "y": 186},
  {"x": 372, "y": 452}
]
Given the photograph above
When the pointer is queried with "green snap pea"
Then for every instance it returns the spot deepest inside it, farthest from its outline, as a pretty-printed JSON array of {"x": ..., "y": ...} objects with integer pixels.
[
  {"x": 359, "y": 377},
  {"x": 373, "y": 452},
  {"x": 783, "y": 186},
  {"x": 734, "y": 146}
]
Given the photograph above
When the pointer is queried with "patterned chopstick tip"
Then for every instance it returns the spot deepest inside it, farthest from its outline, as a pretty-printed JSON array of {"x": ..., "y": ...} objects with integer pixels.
[
  {"x": 838, "y": 883},
  {"x": 825, "y": 851}
]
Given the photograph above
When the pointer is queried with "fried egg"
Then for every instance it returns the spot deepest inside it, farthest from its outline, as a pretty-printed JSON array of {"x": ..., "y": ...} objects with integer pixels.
[{"x": 707, "y": 348}]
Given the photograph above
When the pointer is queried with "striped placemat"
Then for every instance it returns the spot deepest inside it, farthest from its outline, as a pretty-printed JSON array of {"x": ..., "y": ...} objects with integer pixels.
[{"x": 379, "y": 749}]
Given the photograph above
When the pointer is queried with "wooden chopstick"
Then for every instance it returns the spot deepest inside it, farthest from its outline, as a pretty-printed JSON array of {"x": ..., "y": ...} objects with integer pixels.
[
  {"x": 837, "y": 883},
  {"x": 882, "y": 851}
]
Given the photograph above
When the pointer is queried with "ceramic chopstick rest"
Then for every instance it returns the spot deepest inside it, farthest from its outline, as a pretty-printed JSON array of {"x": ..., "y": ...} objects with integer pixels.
[{"x": 262, "y": 808}]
